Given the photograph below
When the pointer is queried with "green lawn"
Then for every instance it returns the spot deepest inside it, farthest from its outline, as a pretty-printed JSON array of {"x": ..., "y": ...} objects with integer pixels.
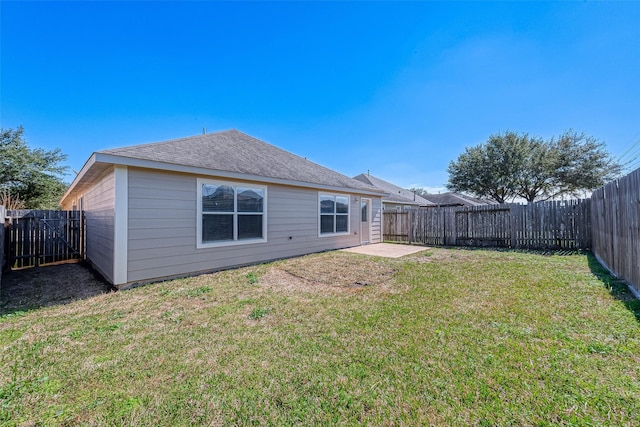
[{"x": 442, "y": 337}]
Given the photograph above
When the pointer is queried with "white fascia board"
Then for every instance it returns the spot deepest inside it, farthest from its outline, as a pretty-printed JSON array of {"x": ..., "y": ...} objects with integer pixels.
[
  {"x": 398, "y": 202},
  {"x": 121, "y": 225},
  {"x": 151, "y": 164},
  {"x": 79, "y": 176}
]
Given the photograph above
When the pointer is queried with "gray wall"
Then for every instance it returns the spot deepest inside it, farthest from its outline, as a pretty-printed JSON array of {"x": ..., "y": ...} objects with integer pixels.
[
  {"x": 99, "y": 207},
  {"x": 162, "y": 227}
]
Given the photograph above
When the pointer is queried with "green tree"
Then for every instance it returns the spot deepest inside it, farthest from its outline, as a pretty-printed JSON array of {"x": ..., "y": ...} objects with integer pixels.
[
  {"x": 511, "y": 165},
  {"x": 33, "y": 175},
  {"x": 488, "y": 170},
  {"x": 583, "y": 163},
  {"x": 419, "y": 191}
]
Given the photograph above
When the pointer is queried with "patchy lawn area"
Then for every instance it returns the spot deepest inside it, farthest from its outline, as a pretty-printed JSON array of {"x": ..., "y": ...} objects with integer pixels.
[
  {"x": 441, "y": 337},
  {"x": 32, "y": 288}
]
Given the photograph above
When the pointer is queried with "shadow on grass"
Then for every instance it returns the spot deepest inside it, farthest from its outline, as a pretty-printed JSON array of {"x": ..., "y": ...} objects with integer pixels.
[
  {"x": 545, "y": 252},
  {"x": 33, "y": 288},
  {"x": 618, "y": 288}
]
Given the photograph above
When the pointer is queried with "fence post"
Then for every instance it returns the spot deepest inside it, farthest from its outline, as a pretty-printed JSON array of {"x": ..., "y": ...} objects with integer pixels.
[
  {"x": 36, "y": 248},
  {"x": 2, "y": 246},
  {"x": 83, "y": 235},
  {"x": 513, "y": 216},
  {"x": 443, "y": 219},
  {"x": 454, "y": 225}
]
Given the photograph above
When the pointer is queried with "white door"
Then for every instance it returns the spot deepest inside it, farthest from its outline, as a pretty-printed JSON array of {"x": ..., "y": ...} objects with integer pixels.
[{"x": 365, "y": 221}]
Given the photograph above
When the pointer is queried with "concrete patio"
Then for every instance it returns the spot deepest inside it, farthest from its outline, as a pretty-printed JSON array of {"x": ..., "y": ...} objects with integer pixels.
[{"x": 386, "y": 250}]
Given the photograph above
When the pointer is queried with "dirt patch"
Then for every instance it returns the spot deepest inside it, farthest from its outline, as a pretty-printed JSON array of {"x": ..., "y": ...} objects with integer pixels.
[
  {"x": 282, "y": 280},
  {"x": 341, "y": 269},
  {"x": 342, "y": 272},
  {"x": 439, "y": 254},
  {"x": 50, "y": 285}
]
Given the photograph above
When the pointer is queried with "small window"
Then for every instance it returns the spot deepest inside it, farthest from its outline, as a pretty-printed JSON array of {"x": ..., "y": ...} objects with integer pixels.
[
  {"x": 365, "y": 216},
  {"x": 334, "y": 214},
  {"x": 230, "y": 213}
]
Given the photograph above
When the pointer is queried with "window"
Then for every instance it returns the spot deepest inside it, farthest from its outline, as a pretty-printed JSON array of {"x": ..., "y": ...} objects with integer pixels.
[
  {"x": 365, "y": 216},
  {"x": 334, "y": 214},
  {"x": 230, "y": 213}
]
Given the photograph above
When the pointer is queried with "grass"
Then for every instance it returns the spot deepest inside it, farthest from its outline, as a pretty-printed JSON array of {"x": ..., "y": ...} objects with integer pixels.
[{"x": 447, "y": 337}]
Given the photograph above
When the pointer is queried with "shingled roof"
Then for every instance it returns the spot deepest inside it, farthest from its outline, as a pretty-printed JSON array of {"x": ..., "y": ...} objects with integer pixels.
[
  {"x": 395, "y": 194},
  {"x": 235, "y": 152}
]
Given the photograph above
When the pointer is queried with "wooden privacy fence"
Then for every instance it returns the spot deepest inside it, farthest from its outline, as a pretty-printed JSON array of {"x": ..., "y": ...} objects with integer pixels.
[
  {"x": 2, "y": 242},
  {"x": 39, "y": 237},
  {"x": 616, "y": 227},
  {"x": 543, "y": 225}
]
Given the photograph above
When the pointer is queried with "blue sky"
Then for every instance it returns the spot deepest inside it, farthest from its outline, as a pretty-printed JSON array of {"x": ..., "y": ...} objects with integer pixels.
[{"x": 395, "y": 88}]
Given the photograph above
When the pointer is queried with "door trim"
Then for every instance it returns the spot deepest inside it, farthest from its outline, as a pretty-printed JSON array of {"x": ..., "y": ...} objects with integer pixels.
[{"x": 369, "y": 207}]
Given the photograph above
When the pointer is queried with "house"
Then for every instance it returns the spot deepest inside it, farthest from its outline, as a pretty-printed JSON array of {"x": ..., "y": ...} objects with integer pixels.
[
  {"x": 214, "y": 201},
  {"x": 397, "y": 197},
  {"x": 458, "y": 199}
]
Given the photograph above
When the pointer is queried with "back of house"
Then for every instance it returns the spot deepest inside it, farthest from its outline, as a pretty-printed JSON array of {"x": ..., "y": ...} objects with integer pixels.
[{"x": 214, "y": 201}]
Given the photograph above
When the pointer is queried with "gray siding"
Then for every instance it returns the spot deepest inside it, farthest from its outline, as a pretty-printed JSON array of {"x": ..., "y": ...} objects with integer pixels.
[
  {"x": 99, "y": 203},
  {"x": 162, "y": 227}
]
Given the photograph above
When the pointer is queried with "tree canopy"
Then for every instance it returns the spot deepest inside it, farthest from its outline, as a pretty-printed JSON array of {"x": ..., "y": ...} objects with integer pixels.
[
  {"x": 512, "y": 165},
  {"x": 419, "y": 191},
  {"x": 31, "y": 175}
]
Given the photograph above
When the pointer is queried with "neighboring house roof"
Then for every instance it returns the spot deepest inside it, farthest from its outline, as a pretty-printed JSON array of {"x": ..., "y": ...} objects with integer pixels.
[
  {"x": 458, "y": 199},
  {"x": 230, "y": 154},
  {"x": 395, "y": 194}
]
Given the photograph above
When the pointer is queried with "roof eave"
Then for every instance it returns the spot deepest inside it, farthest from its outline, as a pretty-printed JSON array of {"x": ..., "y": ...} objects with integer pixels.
[
  {"x": 400, "y": 202},
  {"x": 174, "y": 167},
  {"x": 88, "y": 164}
]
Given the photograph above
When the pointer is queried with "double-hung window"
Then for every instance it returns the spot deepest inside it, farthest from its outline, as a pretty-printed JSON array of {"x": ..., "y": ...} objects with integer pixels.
[
  {"x": 334, "y": 214},
  {"x": 230, "y": 213}
]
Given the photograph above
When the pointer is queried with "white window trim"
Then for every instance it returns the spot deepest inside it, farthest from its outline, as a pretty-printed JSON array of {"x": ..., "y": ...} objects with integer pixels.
[
  {"x": 342, "y": 233},
  {"x": 235, "y": 242}
]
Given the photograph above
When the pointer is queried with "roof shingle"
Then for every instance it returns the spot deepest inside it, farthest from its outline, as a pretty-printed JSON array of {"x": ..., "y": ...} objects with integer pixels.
[
  {"x": 396, "y": 194},
  {"x": 234, "y": 151}
]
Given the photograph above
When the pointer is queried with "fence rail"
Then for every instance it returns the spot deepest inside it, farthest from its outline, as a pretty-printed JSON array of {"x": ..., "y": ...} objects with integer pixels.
[
  {"x": 38, "y": 237},
  {"x": 543, "y": 225},
  {"x": 616, "y": 227}
]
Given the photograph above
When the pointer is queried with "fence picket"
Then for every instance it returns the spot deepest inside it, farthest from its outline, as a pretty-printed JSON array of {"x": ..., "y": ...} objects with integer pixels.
[
  {"x": 543, "y": 225},
  {"x": 616, "y": 227},
  {"x": 44, "y": 237}
]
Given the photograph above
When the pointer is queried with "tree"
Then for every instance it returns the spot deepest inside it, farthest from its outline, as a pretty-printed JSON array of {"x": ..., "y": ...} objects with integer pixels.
[
  {"x": 512, "y": 165},
  {"x": 488, "y": 170},
  {"x": 583, "y": 163},
  {"x": 33, "y": 176},
  {"x": 419, "y": 191}
]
